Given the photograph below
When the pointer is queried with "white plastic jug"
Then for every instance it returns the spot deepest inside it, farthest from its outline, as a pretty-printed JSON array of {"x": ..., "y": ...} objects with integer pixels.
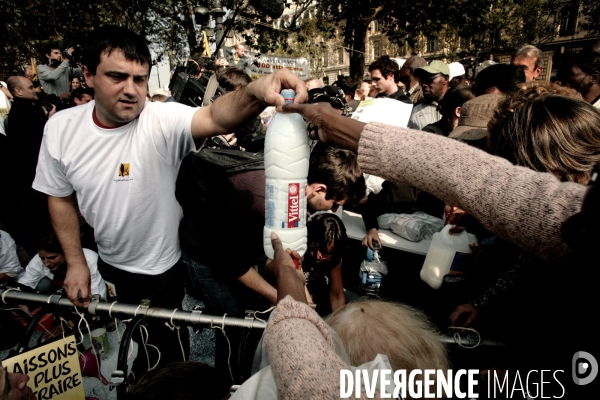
[
  {"x": 447, "y": 254},
  {"x": 287, "y": 153}
]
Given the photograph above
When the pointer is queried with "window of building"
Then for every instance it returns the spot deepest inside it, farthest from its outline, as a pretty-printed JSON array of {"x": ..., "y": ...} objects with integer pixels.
[
  {"x": 568, "y": 20},
  {"x": 463, "y": 43},
  {"x": 376, "y": 49},
  {"x": 432, "y": 45},
  {"x": 325, "y": 58},
  {"x": 375, "y": 26},
  {"x": 326, "y": 80},
  {"x": 340, "y": 56}
]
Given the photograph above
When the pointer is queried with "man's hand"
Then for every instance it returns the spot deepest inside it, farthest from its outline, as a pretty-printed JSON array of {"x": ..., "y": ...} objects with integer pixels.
[
  {"x": 51, "y": 112},
  {"x": 69, "y": 53},
  {"x": 221, "y": 62},
  {"x": 464, "y": 309},
  {"x": 268, "y": 89},
  {"x": 372, "y": 236},
  {"x": 77, "y": 282}
]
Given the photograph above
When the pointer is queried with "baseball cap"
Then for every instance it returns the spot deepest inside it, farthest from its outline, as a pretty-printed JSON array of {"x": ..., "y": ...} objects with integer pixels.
[
  {"x": 474, "y": 117},
  {"x": 456, "y": 69},
  {"x": 435, "y": 67}
]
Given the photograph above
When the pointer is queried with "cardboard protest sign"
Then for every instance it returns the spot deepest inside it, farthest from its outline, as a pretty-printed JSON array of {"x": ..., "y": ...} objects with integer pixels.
[{"x": 53, "y": 370}]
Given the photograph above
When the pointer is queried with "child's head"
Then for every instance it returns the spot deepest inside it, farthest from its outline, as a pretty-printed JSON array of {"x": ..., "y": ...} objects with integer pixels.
[{"x": 326, "y": 238}]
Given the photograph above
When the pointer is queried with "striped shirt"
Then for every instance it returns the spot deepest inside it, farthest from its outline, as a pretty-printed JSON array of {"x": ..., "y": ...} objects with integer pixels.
[{"x": 423, "y": 114}]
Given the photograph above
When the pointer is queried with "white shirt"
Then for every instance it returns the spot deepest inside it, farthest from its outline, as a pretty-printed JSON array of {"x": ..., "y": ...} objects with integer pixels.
[
  {"x": 9, "y": 261},
  {"x": 36, "y": 271},
  {"x": 124, "y": 179}
]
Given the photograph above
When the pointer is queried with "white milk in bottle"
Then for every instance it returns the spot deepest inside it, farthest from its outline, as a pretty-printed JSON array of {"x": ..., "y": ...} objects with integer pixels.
[
  {"x": 287, "y": 154},
  {"x": 447, "y": 254}
]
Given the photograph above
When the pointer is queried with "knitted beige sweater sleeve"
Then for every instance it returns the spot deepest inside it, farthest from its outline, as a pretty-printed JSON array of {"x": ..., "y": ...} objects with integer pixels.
[
  {"x": 517, "y": 204},
  {"x": 302, "y": 353}
]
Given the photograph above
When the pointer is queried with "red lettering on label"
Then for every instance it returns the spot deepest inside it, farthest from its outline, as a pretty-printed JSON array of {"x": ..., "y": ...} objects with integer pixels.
[{"x": 293, "y": 205}]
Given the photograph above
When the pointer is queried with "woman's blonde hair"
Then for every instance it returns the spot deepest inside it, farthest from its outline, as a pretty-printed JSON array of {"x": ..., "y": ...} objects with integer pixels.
[
  {"x": 548, "y": 128},
  {"x": 404, "y": 334}
]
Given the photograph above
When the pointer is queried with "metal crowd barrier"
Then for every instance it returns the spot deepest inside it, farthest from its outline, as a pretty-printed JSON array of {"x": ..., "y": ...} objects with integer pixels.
[{"x": 178, "y": 317}]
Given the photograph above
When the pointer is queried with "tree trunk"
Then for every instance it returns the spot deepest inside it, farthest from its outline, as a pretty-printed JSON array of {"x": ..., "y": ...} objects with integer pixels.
[
  {"x": 190, "y": 29},
  {"x": 355, "y": 36}
]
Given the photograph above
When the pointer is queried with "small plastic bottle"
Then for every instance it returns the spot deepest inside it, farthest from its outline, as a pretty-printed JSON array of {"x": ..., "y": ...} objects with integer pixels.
[
  {"x": 287, "y": 154},
  {"x": 373, "y": 271}
]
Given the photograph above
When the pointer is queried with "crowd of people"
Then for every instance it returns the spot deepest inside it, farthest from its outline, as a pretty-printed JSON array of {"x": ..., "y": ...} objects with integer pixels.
[{"x": 108, "y": 193}]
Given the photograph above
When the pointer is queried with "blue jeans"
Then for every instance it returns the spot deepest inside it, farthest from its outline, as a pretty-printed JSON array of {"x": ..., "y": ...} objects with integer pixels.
[{"x": 222, "y": 295}]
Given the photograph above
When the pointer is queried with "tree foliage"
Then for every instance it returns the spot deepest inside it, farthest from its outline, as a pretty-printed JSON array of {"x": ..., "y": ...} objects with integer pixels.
[{"x": 28, "y": 26}]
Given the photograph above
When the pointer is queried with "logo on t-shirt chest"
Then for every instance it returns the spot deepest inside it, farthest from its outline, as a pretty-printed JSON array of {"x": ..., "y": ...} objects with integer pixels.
[{"x": 123, "y": 173}]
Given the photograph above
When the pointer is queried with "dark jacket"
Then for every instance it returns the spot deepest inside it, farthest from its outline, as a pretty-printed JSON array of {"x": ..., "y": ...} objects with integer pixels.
[
  {"x": 24, "y": 131},
  {"x": 397, "y": 95}
]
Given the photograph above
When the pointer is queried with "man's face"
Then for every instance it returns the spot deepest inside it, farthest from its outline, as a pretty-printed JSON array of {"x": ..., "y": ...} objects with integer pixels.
[
  {"x": 14, "y": 386},
  {"x": 405, "y": 74},
  {"x": 85, "y": 98},
  {"x": 576, "y": 79},
  {"x": 120, "y": 88},
  {"x": 385, "y": 85},
  {"x": 316, "y": 201},
  {"x": 528, "y": 65},
  {"x": 26, "y": 89},
  {"x": 54, "y": 55},
  {"x": 365, "y": 88},
  {"x": 434, "y": 86},
  {"x": 240, "y": 50}
]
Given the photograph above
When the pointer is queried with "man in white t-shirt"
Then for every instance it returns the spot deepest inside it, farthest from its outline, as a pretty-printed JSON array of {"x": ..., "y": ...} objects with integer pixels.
[{"x": 121, "y": 155}]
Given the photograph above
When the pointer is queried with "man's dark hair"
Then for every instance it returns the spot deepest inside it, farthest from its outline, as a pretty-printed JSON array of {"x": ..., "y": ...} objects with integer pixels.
[
  {"x": 588, "y": 62},
  {"x": 347, "y": 84},
  {"x": 326, "y": 229},
  {"x": 337, "y": 169},
  {"x": 187, "y": 380},
  {"x": 79, "y": 92},
  {"x": 505, "y": 77},
  {"x": 385, "y": 65},
  {"x": 49, "y": 47},
  {"x": 109, "y": 38},
  {"x": 455, "y": 98},
  {"x": 232, "y": 78}
]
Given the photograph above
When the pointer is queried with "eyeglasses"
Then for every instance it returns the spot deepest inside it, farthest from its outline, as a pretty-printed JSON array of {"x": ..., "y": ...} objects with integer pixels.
[
  {"x": 429, "y": 81},
  {"x": 49, "y": 258}
]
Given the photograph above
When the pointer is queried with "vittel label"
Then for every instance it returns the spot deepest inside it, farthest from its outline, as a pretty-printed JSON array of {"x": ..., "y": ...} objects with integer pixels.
[{"x": 293, "y": 205}]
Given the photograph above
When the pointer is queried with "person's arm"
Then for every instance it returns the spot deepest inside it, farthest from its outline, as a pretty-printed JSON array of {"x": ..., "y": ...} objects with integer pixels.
[
  {"x": 517, "y": 204},
  {"x": 337, "y": 297},
  {"x": 45, "y": 73},
  {"x": 4, "y": 277},
  {"x": 238, "y": 108},
  {"x": 254, "y": 281},
  {"x": 66, "y": 226}
]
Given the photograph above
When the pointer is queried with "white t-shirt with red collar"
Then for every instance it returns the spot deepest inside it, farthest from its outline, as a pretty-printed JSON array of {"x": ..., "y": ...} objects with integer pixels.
[{"x": 124, "y": 179}]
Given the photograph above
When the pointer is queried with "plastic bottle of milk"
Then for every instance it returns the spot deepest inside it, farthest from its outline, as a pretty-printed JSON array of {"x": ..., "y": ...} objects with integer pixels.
[
  {"x": 447, "y": 254},
  {"x": 287, "y": 154}
]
